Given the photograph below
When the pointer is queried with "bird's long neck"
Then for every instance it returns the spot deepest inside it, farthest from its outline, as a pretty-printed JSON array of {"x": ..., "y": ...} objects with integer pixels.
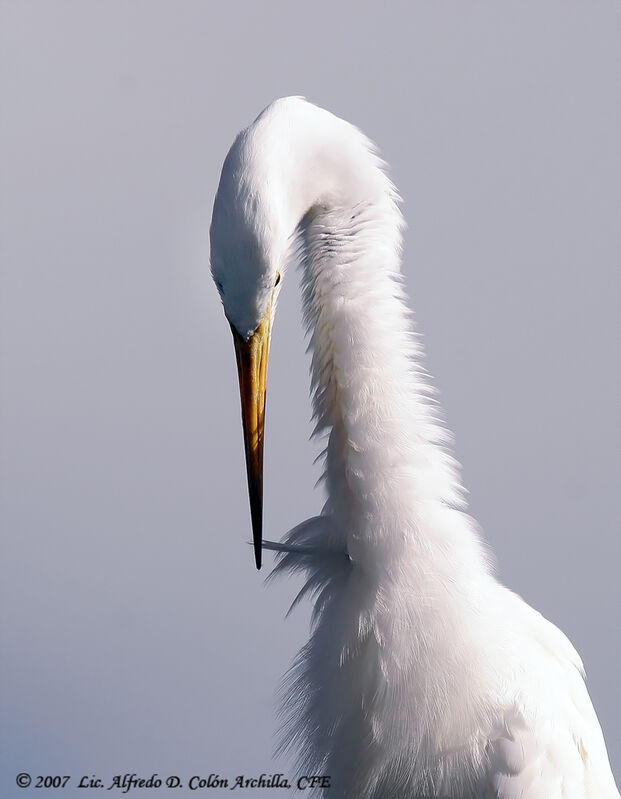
[
  {"x": 384, "y": 462},
  {"x": 388, "y": 477}
]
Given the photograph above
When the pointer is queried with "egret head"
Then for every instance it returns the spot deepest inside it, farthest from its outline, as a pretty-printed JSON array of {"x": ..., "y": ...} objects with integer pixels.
[{"x": 248, "y": 252}]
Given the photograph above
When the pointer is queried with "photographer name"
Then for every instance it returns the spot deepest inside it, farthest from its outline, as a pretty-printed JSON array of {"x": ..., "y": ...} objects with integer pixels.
[{"x": 127, "y": 782}]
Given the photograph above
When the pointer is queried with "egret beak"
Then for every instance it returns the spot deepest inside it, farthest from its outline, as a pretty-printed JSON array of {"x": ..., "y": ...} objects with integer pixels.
[{"x": 252, "y": 370}]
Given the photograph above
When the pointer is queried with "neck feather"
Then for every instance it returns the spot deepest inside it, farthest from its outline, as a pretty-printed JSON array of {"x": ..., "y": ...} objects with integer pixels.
[{"x": 385, "y": 459}]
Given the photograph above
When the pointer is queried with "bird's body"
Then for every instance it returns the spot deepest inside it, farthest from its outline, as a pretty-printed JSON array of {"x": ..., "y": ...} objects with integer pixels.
[{"x": 423, "y": 676}]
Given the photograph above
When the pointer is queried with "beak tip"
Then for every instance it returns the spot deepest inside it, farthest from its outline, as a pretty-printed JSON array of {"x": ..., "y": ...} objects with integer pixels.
[{"x": 258, "y": 550}]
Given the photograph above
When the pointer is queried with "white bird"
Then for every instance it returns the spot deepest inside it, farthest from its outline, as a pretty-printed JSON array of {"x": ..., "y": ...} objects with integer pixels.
[{"x": 423, "y": 676}]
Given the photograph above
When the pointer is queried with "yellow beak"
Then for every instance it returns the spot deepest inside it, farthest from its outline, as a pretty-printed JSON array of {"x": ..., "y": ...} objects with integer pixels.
[{"x": 252, "y": 370}]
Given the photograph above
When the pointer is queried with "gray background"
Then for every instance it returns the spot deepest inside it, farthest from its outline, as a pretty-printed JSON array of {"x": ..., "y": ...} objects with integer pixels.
[{"x": 136, "y": 633}]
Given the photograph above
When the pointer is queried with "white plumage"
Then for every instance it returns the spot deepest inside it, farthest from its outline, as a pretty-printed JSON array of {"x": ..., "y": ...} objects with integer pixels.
[{"x": 423, "y": 676}]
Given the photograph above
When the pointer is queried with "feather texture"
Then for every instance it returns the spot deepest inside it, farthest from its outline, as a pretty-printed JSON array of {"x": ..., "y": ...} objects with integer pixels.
[{"x": 423, "y": 676}]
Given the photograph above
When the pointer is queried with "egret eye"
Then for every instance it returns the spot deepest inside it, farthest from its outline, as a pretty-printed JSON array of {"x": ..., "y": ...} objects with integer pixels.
[{"x": 277, "y": 279}]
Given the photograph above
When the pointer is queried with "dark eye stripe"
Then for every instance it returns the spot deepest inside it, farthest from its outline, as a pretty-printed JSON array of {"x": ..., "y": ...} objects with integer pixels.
[{"x": 277, "y": 279}]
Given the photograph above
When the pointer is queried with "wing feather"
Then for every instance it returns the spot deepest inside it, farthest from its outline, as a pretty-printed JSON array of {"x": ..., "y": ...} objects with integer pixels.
[{"x": 549, "y": 744}]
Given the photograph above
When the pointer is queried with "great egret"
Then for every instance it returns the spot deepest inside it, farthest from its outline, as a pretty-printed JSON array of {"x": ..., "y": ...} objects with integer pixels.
[{"x": 423, "y": 675}]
